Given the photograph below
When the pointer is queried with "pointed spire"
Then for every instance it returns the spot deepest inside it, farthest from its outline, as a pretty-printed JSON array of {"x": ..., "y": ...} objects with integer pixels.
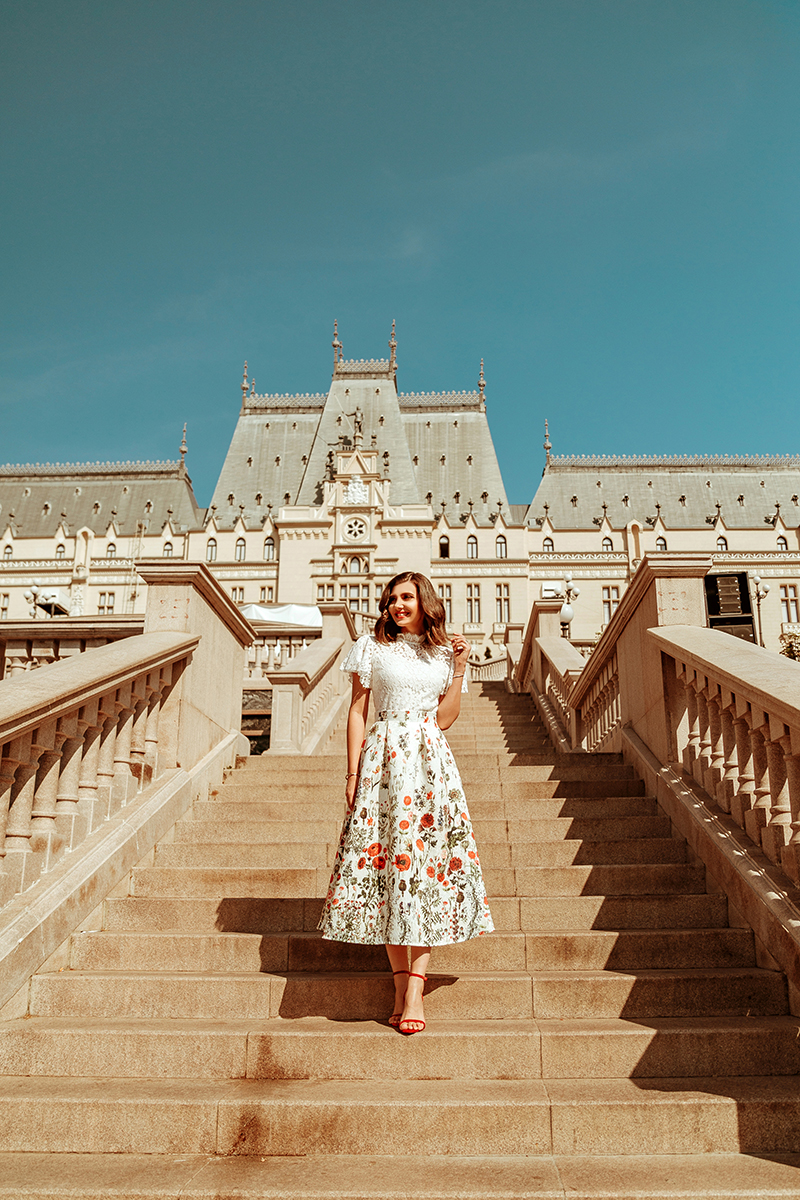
[
  {"x": 183, "y": 447},
  {"x": 481, "y": 384},
  {"x": 393, "y": 352},
  {"x": 253, "y": 386},
  {"x": 244, "y": 384},
  {"x": 337, "y": 346},
  {"x": 546, "y": 445}
]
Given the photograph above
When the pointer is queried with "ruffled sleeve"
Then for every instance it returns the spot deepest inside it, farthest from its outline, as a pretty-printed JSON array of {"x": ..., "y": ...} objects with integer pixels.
[
  {"x": 451, "y": 673},
  {"x": 359, "y": 659}
]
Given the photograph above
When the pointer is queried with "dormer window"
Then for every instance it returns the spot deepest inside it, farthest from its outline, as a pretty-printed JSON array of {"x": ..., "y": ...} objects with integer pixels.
[
  {"x": 167, "y": 550},
  {"x": 8, "y": 550},
  {"x": 472, "y": 546},
  {"x": 661, "y": 543},
  {"x": 608, "y": 545},
  {"x": 782, "y": 543},
  {"x": 269, "y": 549},
  {"x": 722, "y": 543},
  {"x": 240, "y": 552},
  {"x": 444, "y": 547},
  {"x": 501, "y": 547},
  {"x": 61, "y": 550},
  {"x": 547, "y": 545},
  {"x": 211, "y": 550},
  {"x": 111, "y": 550}
]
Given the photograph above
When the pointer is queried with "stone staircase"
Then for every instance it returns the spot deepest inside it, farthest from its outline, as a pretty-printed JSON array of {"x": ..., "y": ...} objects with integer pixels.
[{"x": 614, "y": 1038}]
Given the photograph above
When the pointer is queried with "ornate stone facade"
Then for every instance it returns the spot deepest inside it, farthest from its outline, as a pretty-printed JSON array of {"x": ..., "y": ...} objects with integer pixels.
[{"x": 327, "y": 495}]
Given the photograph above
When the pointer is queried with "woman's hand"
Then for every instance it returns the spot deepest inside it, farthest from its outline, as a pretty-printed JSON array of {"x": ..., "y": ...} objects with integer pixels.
[
  {"x": 461, "y": 651},
  {"x": 350, "y": 791}
]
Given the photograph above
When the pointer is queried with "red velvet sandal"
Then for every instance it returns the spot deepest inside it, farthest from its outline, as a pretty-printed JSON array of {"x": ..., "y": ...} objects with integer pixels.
[
  {"x": 415, "y": 1021},
  {"x": 394, "y": 1019}
]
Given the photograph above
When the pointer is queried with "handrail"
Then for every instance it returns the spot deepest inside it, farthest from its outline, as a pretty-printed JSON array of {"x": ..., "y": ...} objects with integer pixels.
[{"x": 78, "y": 740}]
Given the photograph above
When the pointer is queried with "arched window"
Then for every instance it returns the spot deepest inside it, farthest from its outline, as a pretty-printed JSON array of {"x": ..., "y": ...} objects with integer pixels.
[
  {"x": 444, "y": 547},
  {"x": 61, "y": 550},
  {"x": 111, "y": 550},
  {"x": 722, "y": 543},
  {"x": 547, "y": 546},
  {"x": 167, "y": 549},
  {"x": 211, "y": 550},
  {"x": 608, "y": 545},
  {"x": 782, "y": 543},
  {"x": 241, "y": 550},
  {"x": 472, "y": 546},
  {"x": 8, "y": 550},
  {"x": 500, "y": 547},
  {"x": 356, "y": 566},
  {"x": 661, "y": 543},
  {"x": 269, "y": 549}
]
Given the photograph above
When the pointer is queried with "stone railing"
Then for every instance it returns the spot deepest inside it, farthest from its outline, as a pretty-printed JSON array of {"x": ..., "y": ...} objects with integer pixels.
[
  {"x": 28, "y": 644},
  {"x": 734, "y": 722},
  {"x": 97, "y": 747},
  {"x": 710, "y": 722},
  {"x": 310, "y": 693},
  {"x": 102, "y": 753},
  {"x": 492, "y": 669},
  {"x": 275, "y": 650}
]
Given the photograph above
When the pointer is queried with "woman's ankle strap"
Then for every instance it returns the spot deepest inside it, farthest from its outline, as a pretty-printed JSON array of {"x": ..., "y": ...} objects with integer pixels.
[
  {"x": 400, "y": 972},
  {"x": 414, "y": 975}
]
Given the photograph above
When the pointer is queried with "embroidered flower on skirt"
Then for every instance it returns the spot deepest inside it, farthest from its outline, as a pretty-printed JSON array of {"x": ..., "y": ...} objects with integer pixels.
[{"x": 407, "y": 870}]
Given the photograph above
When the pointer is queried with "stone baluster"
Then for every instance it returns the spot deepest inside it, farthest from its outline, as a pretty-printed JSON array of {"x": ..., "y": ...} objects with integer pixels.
[
  {"x": 124, "y": 785},
  {"x": 88, "y": 804},
  {"x": 109, "y": 712},
  {"x": 44, "y": 837},
  {"x": 18, "y": 830},
  {"x": 743, "y": 797},
  {"x": 700, "y": 765},
  {"x": 10, "y": 758},
  {"x": 775, "y": 836},
  {"x": 690, "y": 750},
  {"x": 140, "y": 698},
  {"x": 756, "y": 818},
  {"x": 716, "y": 761},
  {"x": 791, "y": 854},
  {"x": 726, "y": 788},
  {"x": 160, "y": 681},
  {"x": 69, "y": 775}
]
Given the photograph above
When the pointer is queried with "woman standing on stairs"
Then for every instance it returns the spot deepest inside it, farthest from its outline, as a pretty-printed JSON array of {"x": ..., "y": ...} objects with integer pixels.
[{"x": 407, "y": 872}]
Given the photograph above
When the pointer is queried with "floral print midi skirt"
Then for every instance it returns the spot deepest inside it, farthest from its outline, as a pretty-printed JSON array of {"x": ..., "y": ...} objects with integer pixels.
[{"x": 407, "y": 871}]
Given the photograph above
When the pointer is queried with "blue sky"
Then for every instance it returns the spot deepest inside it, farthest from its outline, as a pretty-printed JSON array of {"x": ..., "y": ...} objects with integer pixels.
[{"x": 598, "y": 197}]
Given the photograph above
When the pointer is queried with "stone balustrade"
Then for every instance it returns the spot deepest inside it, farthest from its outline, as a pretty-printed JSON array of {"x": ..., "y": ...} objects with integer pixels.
[
  {"x": 77, "y": 742},
  {"x": 275, "y": 650},
  {"x": 25, "y": 645},
  {"x": 102, "y": 752},
  {"x": 734, "y": 718}
]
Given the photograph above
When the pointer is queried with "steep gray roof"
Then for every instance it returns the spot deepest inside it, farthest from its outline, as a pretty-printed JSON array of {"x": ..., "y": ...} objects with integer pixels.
[
  {"x": 688, "y": 492},
  {"x": 38, "y": 497},
  {"x": 461, "y": 438}
]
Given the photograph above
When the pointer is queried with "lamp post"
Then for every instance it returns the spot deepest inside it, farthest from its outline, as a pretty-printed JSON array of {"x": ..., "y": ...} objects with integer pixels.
[
  {"x": 570, "y": 593},
  {"x": 30, "y": 596},
  {"x": 761, "y": 591}
]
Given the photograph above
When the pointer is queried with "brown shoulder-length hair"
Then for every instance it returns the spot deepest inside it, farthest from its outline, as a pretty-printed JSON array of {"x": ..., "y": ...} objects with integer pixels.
[{"x": 433, "y": 615}]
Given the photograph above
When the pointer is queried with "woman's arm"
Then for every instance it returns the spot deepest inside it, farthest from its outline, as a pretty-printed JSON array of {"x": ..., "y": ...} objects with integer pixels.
[
  {"x": 450, "y": 702},
  {"x": 356, "y": 724}
]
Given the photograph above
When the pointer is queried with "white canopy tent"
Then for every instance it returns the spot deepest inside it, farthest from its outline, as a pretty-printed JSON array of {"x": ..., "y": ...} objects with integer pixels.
[{"x": 304, "y": 616}]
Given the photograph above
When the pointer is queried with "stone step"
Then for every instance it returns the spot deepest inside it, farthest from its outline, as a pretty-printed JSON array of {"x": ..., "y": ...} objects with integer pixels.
[
  {"x": 229, "y": 881},
  {"x": 254, "y": 914},
  {"x": 225, "y": 829},
  {"x": 124, "y": 1047},
  {"x": 606, "y": 880},
  {"x": 753, "y": 1115},
  {"x": 544, "y": 789},
  {"x": 494, "y": 995},
  {"x": 491, "y": 806},
  {"x": 406, "y": 1177},
  {"x": 249, "y": 952},
  {"x": 245, "y": 855}
]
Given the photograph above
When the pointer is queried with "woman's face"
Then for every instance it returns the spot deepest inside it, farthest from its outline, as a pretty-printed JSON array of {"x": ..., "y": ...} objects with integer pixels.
[{"x": 404, "y": 607}]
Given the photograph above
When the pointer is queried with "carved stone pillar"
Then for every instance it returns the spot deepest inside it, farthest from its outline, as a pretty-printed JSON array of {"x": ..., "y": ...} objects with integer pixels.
[
  {"x": 716, "y": 760},
  {"x": 67, "y": 794},
  {"x": 791, "y": 854},
  {"x": 778, "y": 828},
  {"x": 692, "y": 746},
  {"x": 756, "y": 818},
  {"x": 726, "y": 788},
  {"x": 90, "y": 760},
  {"x": 700, "y": 765},
  {"x": 124, "y": 785},
  {"x": 742, "y": 800},
  {"x": 139, "y": 698}
]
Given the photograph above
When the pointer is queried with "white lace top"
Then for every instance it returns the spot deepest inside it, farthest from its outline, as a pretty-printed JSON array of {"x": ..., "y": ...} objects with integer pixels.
[{"x": 403, "y": 674}]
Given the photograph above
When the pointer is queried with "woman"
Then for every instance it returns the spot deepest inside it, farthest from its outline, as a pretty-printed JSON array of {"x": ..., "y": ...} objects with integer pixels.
[{"x": 406, "y": 872}]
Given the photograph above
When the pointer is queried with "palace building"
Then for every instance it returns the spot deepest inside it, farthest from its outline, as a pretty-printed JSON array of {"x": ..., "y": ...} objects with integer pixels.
[{"x": 326, "y": 495}]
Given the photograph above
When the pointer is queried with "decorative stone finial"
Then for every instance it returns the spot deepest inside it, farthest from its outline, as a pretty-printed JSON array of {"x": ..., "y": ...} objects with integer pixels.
[
  {"x": 481, "y": 384},
  {"x": 183, "y": 446},
  {"x": 393, "y": 352},
  {"x": 244, "y": 384},
  {"x": 337, "y": 346},
  {"x": 547, "y": 445}
]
